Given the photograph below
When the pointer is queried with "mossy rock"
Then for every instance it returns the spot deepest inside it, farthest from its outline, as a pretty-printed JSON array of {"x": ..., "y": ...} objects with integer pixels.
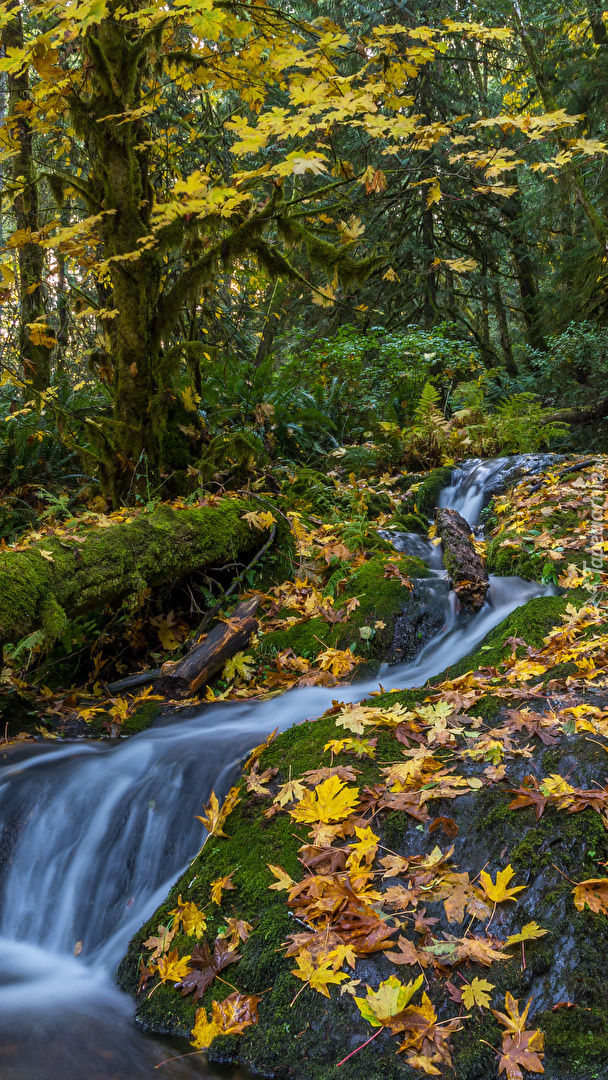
[
  {"x": 378, "y": 503},
  {"x": 427, "y": 495},
  {"x": 410, "y": 523},
  {"x": 306, "y": 1038},
  {"x": 381, "y": 599}
]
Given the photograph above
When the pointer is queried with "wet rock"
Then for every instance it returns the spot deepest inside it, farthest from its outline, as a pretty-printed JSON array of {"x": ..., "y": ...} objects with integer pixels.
[
  {"x": 467, "y": 573},
  {"x": 424, "y": 617}
]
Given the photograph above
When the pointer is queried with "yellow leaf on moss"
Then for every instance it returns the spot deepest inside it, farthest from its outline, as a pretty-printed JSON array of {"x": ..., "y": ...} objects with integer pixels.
[
  {"x": 476, "y": 993},
  {"x": 192, "y": 921},
  {"x": 330, "y": 801},
  {"x": 172, "y": 969},
  {"x": 219, "y": 885},
  {"x": 497, "y": 891}
]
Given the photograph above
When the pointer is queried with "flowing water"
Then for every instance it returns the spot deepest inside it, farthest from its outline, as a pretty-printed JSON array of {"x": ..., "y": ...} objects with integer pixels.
[{"x": 92, "y": 835}]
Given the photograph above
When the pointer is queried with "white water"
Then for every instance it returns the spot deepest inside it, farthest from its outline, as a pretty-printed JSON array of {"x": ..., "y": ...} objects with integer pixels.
[{"x": 92, "y": 836}]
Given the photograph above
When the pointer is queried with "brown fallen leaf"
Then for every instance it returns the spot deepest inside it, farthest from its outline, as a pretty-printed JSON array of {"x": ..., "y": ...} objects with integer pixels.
[
  {"x": 160, "y": 942},
  {"x": 593, "y": 894},
  {"x": 449, "y": 826},
  {"x": 407, "y": 953},
  {"x": 206, "y": 967}
]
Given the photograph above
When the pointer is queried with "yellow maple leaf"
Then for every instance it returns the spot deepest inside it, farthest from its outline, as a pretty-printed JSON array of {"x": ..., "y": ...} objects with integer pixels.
[
  {"x": 283, "y": 882},
  {"x": 391, "y": 998},
  {"x": 356, "y": 718},
  {"x": 330, "y": 801},
  {"x": 527, "y": 933},
  {"x": 239, "y": 666},
  {"x": 190, "y": 399},
  {"x": 214, "y": 815},
  {"x": 172, "y": 969},
  {"x": 359, "y": 747},
  {"x": 497, "y": 891},
  {"x": 259, "y": 519},
  {"x": 204, "y": 1030},
  {"x": 293, "y": 789},
  {"x": 187, "y": 915},
  {"x": 318, "y": 975},
  {"x": 593, "y": 894},
  {"x": 218, "y": 886},
  {"x": 476, "y": 993},
  {"x": 366, "y": 848},
  {"x": 338, "y": 661}
]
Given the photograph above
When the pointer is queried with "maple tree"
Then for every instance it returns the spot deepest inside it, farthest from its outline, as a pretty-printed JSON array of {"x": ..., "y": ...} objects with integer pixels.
[{"x": 144, "y": 231}]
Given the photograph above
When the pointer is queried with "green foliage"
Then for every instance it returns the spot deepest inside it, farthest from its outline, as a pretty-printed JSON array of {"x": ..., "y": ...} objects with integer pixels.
[{"x": 574, "y": 368}]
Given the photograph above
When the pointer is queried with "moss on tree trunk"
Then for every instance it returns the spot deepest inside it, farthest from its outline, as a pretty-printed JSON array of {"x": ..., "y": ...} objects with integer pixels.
[{"x": 68, "y": 573}]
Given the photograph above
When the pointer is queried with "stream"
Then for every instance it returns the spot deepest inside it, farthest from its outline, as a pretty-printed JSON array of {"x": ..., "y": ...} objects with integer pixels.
[{"x": 93, "y": 834}]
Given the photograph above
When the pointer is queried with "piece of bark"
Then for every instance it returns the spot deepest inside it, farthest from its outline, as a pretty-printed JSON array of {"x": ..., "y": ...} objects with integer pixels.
[
  {"x": 92, "y": 564},
  {"x": 185, "y": 678},
  {"x": 467, "y": 573}
]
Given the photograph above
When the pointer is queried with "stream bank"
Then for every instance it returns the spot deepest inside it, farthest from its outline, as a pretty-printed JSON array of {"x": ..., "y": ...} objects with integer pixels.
[
  {"x": 513, "y": 708},
  {"x": 115, "y": 827}
]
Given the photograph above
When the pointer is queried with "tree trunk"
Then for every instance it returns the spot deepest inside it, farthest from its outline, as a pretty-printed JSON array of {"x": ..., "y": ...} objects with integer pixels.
[
  {"x": 130, "y": 448},
  {"x": 503, "y": 327},
  {"x": 36, "y": 340},
  {"x": 523, "y": 266},
  {"x": 70, "y": 572},
  {"x": 467, "y": 572}
]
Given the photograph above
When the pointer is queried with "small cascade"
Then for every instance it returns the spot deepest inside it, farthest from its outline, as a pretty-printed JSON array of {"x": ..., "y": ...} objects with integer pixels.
[{"x": 93, "y": 834}]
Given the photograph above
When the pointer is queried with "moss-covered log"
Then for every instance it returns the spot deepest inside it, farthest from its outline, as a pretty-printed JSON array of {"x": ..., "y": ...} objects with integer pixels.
[
  {"x": 81, "y": 568},
  {"x": 467, "y": 572}
]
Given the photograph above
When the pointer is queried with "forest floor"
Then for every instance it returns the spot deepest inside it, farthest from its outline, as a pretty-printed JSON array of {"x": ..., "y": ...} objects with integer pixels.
[{"x": 387, "y": 887}]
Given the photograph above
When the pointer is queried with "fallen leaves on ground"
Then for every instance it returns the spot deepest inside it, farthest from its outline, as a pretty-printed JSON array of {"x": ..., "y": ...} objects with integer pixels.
[
  {"x": 204, "y": 967},
  {"x": 228, "y": 1017}
]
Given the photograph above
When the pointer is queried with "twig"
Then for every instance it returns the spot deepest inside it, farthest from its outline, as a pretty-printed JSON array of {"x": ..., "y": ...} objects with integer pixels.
[
  {"x": 179, "y": 1057},
  {"x": 565, "y": 875}
]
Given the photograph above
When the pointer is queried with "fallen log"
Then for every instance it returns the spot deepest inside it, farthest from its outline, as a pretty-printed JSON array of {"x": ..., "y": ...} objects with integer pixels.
[
  {"x": 467, "y": 573},
  {"x": 84, "y": 565},
  {"x": 184, "y": 678}
]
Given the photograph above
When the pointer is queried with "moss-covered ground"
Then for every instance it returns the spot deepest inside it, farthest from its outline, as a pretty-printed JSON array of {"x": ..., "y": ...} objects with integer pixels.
[
  {"x": 330, "y": 602},
  {"x": 301, "y": 1033}
]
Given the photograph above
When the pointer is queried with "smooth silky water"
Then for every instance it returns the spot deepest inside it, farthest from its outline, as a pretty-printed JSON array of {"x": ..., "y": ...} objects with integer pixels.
[{"x": 92, "y": 835}]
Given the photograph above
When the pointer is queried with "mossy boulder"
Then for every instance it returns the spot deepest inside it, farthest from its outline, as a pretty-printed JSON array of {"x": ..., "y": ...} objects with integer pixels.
[
  {"x": 427, "y": 494},
  {"x": 381, "y": 600},
  {"x": 410, "y": 523},
  {"x": 305, "y": 1038}
]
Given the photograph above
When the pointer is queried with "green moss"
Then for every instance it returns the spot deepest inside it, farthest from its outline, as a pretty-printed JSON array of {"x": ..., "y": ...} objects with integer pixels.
[
  {"x": 576, "y": 1042},
  {"x": 411, "y": 523},
  {"x": 510, "y": 561},
  {"x": 143, "y": 717},
  {"x": 53, "y": 620},
  {"x": 381, "y": 599},
  {"x": 531, "y": 623},
  {"x": 428, "y": 493},
  {"x": 114, "y": 561},
  {"x": 378, "y": 503}
]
